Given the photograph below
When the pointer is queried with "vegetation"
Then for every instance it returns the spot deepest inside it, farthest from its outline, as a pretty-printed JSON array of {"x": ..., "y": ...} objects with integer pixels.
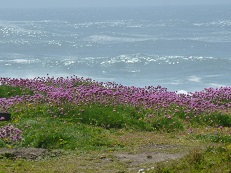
[
  {"x": 91, "y": 119},
  {"x": 7, "y": 92},
  {"x": 211, "y": 160}
]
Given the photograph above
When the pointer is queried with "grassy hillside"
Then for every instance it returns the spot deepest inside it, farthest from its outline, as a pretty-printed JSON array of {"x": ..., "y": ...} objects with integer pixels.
[{"x": 94, "y": 121}]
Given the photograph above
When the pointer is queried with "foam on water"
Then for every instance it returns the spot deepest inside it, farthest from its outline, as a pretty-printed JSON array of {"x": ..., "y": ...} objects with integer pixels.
[
  {"x": 182, "y": 92},
  {"x": 194, "y": 79},
  {"x": 106, "y": 39},
  {"x": 23, "y": 61},
  {"x": 9, "y": 29},
  {"x": 219, "y": 23},
  {"x": 147, "y": 59},
  {"x": 69, "y": 62}
]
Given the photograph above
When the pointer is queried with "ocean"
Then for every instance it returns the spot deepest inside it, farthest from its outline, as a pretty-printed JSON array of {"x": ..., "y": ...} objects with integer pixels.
[{"x": 182, "y": 48}]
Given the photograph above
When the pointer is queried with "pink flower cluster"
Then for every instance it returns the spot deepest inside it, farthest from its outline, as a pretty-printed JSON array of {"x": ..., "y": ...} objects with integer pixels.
[
  {"x": 10, "y": 134},
  {"x": 78, "y": 91}
]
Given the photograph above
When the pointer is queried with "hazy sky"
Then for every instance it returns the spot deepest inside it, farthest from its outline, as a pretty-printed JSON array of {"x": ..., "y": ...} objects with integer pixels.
[{"x": 100, "y": 3}]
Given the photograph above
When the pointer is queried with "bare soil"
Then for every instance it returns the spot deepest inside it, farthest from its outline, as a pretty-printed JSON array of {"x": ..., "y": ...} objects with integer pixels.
[
  {"x": 28, "y": 153},
  {"x": 153, "y": 154}
]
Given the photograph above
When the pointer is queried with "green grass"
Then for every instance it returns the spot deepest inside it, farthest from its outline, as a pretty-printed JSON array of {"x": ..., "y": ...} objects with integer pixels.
[
  {"x": 212, "y": 160},
  {"x": 59, "y": 133},
  {"x": 214, "y": 119},
  {"x": 214, "y": 138},
  {"x": 11, "y": 91}
]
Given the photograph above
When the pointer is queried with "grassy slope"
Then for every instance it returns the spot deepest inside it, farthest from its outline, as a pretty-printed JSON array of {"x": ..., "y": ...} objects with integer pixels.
[{"x": 91, "y": 133}]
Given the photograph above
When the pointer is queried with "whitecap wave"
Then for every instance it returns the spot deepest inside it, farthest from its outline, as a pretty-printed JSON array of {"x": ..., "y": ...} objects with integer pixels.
[
  {"x": 19, "y": 61},
  {"x": 220, "y": 23},
  {"x": 182, "y": 92},
  {"x": 113, "y": 39},
  {"x": 110, "y": 23},
  {"x": 68, "y": 62},
  {"x": 146, "y": 59},
  {"x": 194, "y": 78},
  {"x": 216, "y": 85},
  {"x": 23, "y": 30}
]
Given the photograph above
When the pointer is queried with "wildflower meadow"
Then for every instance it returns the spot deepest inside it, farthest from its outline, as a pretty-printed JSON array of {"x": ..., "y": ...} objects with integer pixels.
[{"x": 81, "y": 114}]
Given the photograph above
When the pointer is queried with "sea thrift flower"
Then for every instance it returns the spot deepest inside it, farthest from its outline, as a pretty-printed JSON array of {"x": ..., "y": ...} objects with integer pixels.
[
  {"x": 10, "y": 134},
  {"x": 169, "y": 117},
  {"x": 149, "y": 115},
  {"x": 187, "y": 117},
  {"x": 2, "y": 118}
]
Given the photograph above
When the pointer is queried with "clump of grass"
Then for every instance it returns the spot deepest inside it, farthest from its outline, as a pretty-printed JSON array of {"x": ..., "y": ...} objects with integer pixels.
[
  {"x": 213, "y": 119},
  {"x": 96, "y": 115},
  {"x": 52, "y": 133},
  {"x": 212, "y": 159},
  {"x": 167, "y": 124},
  {"x": 217, "y": 119},
  {"x": 12, "y": 91},
  {"x": 217, "y": 138}
]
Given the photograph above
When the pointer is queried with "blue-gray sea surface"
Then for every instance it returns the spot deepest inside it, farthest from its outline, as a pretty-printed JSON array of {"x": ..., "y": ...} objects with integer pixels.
[{"x": 180, "y": 48}]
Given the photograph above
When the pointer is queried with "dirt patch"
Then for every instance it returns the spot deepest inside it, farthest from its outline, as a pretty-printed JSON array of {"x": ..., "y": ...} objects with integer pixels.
[
  {"x": 153, "y": 154},
  {"x": 143, "y": 158},
  {"x": 28, "y": 153}
]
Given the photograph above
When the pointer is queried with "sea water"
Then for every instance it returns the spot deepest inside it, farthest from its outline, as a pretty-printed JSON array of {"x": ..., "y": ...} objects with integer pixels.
[{"x": 182, "y": 48}]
